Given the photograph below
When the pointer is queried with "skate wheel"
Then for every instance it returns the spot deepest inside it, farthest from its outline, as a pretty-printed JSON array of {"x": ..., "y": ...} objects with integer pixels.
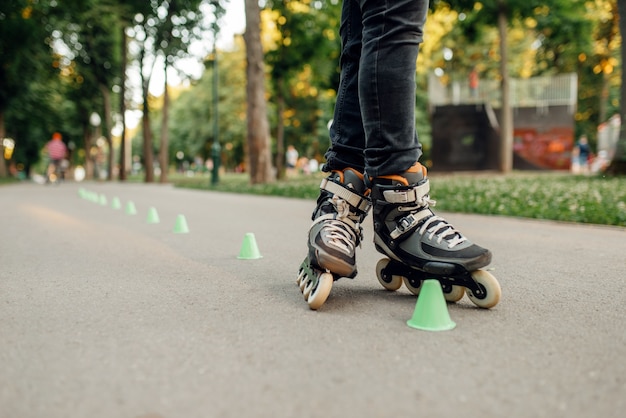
[
  {"x": 412, "y": 289},
  {"x": 490, "y": 288},
  {"x": 453, "y": 293},
  {"x": 307, "y": 287},
  {"x": 302, "y": 280},
  {"x": 319, "y": 294},
  {"x": 394, "y": 283}
]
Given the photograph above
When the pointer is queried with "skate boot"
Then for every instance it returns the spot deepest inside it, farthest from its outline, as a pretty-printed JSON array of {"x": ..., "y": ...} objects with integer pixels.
[
  {"x": 421, "y": 245},
  {"x": 334, "y": 235}
]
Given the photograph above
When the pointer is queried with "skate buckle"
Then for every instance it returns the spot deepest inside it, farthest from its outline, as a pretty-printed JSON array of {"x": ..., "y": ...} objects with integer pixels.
[{"x": 405, "y": 224}]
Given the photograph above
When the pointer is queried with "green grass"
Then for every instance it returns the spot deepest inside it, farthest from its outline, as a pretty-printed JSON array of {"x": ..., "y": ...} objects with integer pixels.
[
  {"x": 304, "y": 187},
  {"x": 8, "y": 180},
  {"x": 554, "y": 196},
  {"x": 560, "y": 197}
]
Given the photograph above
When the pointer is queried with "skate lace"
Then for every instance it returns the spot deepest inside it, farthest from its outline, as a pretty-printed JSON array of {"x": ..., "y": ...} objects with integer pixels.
[
  {"x": 436, "y": 225},
  {"x": 338, "y": 236},
  {"x": 339, "y": 229}
]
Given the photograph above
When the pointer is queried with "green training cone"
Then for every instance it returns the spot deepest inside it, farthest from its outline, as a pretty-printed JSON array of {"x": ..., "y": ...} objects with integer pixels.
[
  {"x": 115, "y": 203},
  {"x": 431, "y": 311},
  {"x": 249, "y": 250},
  {"x": 130, "y": 208},
  {"x": 180, "y": 227},
  {"x": 153, "y": 216},
  {"x": 102, "y": 199}
]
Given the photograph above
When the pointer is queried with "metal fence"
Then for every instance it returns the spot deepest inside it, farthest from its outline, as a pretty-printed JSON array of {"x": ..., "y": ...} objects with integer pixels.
[{"x": 539, "y": 92}]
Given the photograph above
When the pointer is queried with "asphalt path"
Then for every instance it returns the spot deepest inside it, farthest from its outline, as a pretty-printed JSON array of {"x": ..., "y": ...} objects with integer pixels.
[{"x": 103, "y": 314}]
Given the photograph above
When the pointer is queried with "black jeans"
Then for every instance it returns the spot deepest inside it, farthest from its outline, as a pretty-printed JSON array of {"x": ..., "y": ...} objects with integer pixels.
[{"x": 373, "y": 127}]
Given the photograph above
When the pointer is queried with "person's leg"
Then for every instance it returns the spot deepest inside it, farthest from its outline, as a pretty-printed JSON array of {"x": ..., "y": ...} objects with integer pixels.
[
  {"x": 343, "y": 203},
  {"x": 346, "y": 131},
  {"x": 405, "y": 227},
  {"x": 392, "y": 32}
]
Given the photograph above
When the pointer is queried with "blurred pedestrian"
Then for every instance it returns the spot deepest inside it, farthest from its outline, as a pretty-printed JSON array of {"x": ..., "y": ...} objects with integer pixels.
[
  {"x": 291, "y": 158},
  {"x": 57, "y": 152},
  {"x": 581, "y": 155}
]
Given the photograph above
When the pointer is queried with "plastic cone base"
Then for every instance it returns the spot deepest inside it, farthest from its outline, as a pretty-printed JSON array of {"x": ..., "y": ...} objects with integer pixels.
[
  {"x": 130, "y": 208},
  {"x": 180, "y": 227},
  {"x": 431, "y": 310},
  {"x": 249, "y": 249},
  {"x": 153, "y": 216}
]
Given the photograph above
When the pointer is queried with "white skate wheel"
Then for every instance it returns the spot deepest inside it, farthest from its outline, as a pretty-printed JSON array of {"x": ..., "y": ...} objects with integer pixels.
[
  {"x": 490, "y": 287},
  {"x": 396, "y": 281},
  {"x": 303, "y": 281},
  {"x": 318, "y": 296},
  {"x": 413, "y": 289},
  {"x": 455, "y": 294}
]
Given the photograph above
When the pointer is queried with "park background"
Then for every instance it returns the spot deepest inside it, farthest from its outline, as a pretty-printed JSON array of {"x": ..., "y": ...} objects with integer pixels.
[{"x": 138, "y": 86}]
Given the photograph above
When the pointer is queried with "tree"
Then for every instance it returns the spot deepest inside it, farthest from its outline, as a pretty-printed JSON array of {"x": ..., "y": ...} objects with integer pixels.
[
  {"x": 301, "y": 57},
  {"x": 24, "y": 55},
  {"x": 259, "y": 146},
  {"x": 95, "y": 45},
  {"x": 618, "y": 164},
  {"x": 127, "y": 10},
  {"x": 164, "y": 31},
  {"x": 193, "y": 116}
]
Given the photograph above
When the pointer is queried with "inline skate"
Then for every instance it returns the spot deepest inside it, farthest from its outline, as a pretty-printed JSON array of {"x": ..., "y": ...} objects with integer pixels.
[
  {"x": 334, "y": 235},
  {"x": 421, "y": 245}
]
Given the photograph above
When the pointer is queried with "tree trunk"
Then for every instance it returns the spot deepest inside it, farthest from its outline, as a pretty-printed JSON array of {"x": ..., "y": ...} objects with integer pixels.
[
  {"x": 280, "y": 131},
  {"x": 603, "y": 99},
  {"x": 123, "y": 166},
  {"x": 163, "y": 151},
  {"x": 148, "y": 157},
  {"x": 618, "y": 163},
  {"x": 506, "y": 127},
  {"x": 259, "y": 152},
  {"x": 108, "y": 122},
  {"x": 89, "y": 165}
]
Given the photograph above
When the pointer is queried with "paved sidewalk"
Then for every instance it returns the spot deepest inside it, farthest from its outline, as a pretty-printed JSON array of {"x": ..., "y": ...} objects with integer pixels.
[{"x": 103, "y": 314}]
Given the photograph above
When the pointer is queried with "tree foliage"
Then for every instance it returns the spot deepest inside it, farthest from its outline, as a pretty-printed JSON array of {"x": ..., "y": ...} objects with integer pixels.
[
  {"x": 163, "y": 30},
  {"x": 193, "y": 113},
  {"x": 303, "y": 61},
  {"x": 26, "y": 61}
]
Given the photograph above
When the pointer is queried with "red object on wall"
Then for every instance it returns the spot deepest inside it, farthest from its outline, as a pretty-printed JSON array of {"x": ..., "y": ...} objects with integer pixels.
[{"x": 550, "y": 149}]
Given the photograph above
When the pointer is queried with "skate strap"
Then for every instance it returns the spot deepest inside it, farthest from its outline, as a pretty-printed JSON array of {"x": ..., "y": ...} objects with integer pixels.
[
  {"x": 415, "y": 194},
  {"x": 354, "y": 199},
  {"x": 409, "y": 222}
]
